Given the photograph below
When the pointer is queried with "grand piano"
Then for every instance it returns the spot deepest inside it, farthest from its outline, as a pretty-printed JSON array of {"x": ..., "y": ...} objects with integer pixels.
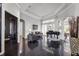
[{"x": 52, "y": 39}]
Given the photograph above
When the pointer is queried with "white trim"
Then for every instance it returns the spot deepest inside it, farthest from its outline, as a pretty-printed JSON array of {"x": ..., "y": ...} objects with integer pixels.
[
  {"x": 31, "y": 14},
  {"x": 2, "y": 31},
  {"x": 27, "y": 13},
  {"x": 52, "y": 14},
  {"x": 62, "y": 12}
]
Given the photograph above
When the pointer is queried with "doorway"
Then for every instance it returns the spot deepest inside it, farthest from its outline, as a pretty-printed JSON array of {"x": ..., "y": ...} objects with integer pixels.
[{"x": 11, "y": 44}]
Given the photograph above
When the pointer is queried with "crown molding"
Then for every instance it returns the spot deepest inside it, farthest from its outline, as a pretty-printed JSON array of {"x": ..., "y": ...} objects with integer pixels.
[
  {"x": 55, "y": 13},
  {"x": 51, "y": 13},
  {"x": 58, "y": 12},
  {"x": 48, "y": 16},
  {"x": 63, "y": 11},
  {"x": 28, "y": 13}
]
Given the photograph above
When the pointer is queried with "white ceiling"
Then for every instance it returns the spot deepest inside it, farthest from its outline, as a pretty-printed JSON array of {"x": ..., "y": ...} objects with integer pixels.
[{"x": 41, "y": 9}]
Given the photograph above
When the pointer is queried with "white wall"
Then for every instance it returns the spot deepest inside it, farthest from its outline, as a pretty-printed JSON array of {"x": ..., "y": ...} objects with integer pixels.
[
  {"x": 12, "y": 8},
  {"x": 29, "y": 21}
]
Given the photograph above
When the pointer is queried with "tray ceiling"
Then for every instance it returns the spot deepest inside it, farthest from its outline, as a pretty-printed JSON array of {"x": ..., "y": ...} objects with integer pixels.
[{"x": 41, "y": 9}]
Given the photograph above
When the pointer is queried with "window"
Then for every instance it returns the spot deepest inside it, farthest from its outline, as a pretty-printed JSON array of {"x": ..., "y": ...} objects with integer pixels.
[{"x": 48, "y": 21}]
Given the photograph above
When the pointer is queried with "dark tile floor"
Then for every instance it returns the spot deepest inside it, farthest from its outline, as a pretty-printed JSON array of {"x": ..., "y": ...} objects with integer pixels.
[
  {"x": 11, "y": 48},
  {"x": 34, "y": 49},
  {"x": 29, "y": 49}
]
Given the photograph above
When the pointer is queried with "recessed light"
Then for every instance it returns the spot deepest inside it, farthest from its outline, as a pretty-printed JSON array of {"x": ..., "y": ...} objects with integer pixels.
[{"x": 29, "y": 6}]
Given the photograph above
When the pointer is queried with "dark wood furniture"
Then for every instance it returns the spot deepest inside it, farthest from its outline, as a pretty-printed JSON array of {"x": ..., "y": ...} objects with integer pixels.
[{"x": 33, "y": 37}]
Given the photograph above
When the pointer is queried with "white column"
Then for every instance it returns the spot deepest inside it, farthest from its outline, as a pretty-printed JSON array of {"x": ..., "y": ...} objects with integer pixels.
[
  {"x": 56, "y": 24},
  {"x": 67, "y": 48},
  {"x": 19, "y": 34},
  {"x": 2, "y": 30},
  {"x": 18, "y": 27},
  {"x": 62, "y": 28}
]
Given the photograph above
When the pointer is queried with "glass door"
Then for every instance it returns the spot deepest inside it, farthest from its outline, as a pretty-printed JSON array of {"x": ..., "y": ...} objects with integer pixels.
[{"x": 44, "y": 30}]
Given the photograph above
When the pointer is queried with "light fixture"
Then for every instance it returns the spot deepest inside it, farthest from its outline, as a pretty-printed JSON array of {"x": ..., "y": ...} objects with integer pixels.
[{"x": 29, "y": 6}]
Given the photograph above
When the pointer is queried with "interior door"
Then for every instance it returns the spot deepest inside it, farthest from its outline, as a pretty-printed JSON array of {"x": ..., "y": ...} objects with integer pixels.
[{"x": 11, "y": 45}]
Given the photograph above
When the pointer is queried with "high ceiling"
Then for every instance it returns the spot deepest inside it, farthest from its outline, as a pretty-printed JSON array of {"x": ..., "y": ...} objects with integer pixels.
[{"x": 42, "y": 9}]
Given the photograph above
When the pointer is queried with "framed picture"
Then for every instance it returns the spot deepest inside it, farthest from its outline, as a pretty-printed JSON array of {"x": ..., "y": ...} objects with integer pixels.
[{"x": 35, "y": 27}]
